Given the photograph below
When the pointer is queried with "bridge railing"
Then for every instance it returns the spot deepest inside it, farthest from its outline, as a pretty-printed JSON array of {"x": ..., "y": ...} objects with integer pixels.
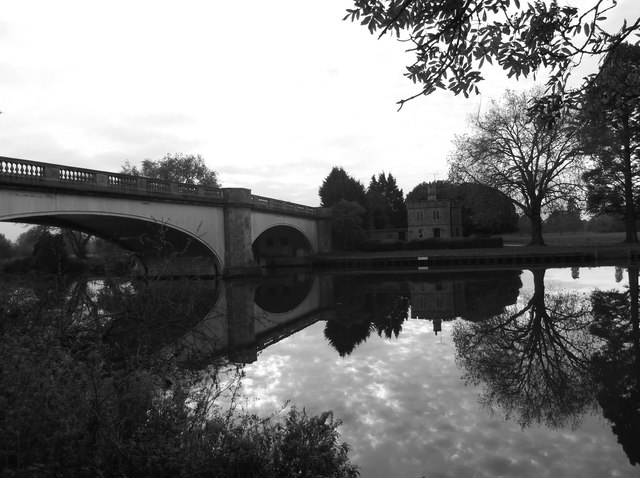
[
  {"x": 23, "y": 171},
  {"x": 285, "y": 206}
]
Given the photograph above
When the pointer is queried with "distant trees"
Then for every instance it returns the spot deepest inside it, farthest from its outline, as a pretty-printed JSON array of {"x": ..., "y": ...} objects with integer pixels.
[
  {"x": 534, "y": 163},
  {"x": 178, "y": 167},
  {"x": 380, "y": 206},
  {"x": 610, "y": 132},
  {"x": 6, "y": 247},
  {"x": 565, "y": 219}
]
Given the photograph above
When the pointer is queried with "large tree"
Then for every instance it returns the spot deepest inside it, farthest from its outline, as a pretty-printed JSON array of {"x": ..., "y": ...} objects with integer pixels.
[
  {"x": 611, "y": 133},
  {"x": 181, "y": 168},
  {"x": 338, "y": 186},
  {"x": 534, "y": 163},
  {"x": 452, "y": 39}
]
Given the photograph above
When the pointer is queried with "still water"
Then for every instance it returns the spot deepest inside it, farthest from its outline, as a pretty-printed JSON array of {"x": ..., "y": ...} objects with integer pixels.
[{"x": 483, "y": 374}]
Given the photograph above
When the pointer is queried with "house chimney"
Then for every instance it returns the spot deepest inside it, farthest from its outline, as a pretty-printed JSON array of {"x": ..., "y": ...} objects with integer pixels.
[{"x": 431, "y": 192}]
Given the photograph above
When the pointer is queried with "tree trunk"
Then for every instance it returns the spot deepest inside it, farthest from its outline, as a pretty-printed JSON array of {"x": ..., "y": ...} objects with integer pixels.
[
  {"x": 536, "y": 229},
  {"x": 635, "y": 322},
  {"x": 631, "y": 231}
]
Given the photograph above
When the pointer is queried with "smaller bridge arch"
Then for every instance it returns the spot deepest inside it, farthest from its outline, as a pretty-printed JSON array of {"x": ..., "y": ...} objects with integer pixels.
[{"x": 281, "y": 241}]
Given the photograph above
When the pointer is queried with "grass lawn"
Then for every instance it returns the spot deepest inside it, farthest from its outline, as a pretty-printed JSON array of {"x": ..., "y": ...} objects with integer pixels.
[{"x": 556, "y": 239}]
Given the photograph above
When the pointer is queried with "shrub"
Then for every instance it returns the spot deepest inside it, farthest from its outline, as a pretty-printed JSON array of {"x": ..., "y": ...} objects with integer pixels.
[{"x": 73, "y": 404}]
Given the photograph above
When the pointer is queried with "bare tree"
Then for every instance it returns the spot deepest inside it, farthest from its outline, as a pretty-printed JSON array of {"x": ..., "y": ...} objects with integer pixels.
[{"x": 535, "y": 163}]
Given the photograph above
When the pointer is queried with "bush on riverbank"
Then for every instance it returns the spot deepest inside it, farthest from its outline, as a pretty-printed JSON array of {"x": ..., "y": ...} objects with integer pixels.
[{"x": 73, "y": 404}]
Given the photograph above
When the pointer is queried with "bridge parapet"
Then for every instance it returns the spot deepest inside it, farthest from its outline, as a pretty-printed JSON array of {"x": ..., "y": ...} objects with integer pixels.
[
  {"x": 285, "y": 206},
  {"x": 22, "y": 171}
]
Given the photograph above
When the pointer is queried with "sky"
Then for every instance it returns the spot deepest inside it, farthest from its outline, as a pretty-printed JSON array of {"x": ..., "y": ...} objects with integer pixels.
[{"x": 271, "y": 94}]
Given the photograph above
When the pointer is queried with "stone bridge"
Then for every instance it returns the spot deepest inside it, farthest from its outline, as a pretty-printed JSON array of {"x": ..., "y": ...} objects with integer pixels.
[{"x": 173, "y": 228}]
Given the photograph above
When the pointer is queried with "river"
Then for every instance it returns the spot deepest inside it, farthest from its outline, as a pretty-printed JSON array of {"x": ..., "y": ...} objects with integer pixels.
[{"x": 450, "y": 373}]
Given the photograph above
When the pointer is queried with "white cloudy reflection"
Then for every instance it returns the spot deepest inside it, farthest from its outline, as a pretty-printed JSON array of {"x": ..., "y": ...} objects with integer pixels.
[{"x": 407, "y": 412}]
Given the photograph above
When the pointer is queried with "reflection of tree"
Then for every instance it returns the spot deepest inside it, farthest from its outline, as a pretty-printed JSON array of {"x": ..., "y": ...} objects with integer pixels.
[
  {"x": 532, "y": 359},
  {"x": 156, "y": 313},
  {"x": 490, "y": 293},
  {"x": 616, "y": 367},
  {"x": 362, "y": 310}
]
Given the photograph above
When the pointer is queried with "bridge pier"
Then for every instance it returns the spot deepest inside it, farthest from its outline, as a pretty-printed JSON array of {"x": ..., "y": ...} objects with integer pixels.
[{"x": 238, "y": 258}]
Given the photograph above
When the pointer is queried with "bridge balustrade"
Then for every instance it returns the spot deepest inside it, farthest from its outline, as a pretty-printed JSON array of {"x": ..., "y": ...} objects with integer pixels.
[
  {"x": 284, "y": 206},
  {"x": 77, "y": 175},
  {"x": 13, "y": 170},
  {"x": 20, "y": 169}
]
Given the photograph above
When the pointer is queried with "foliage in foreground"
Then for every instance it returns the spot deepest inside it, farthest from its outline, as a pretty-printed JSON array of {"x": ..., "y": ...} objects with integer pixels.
[
  {"x": 451, "y": 40},
  {"x": 72, "y": 404}
]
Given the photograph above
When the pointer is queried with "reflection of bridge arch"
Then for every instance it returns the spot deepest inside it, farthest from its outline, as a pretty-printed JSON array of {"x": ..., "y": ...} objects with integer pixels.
[
  {"x": 152, "y": 241},
  {"x": 283, "y": 293},
  {"x": 239, "y": 327}
]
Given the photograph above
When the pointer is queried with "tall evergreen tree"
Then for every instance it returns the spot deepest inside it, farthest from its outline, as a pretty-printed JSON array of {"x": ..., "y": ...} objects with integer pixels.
[
  {"x": 611, "y": 134},
  {"x": 385, "y": 203},
  {"x": 338, "y": 186}
]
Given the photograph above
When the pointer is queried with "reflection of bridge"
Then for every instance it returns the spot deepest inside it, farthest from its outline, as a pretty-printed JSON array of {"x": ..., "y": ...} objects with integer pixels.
[
  {"x": 251, "y": 315},
  {"x": 202, "y": 230},
  {"x": 243, "y": 322}
]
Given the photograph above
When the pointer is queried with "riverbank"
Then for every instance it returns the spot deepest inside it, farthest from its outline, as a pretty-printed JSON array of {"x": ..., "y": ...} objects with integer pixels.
[{"x": 560, "y": 251}]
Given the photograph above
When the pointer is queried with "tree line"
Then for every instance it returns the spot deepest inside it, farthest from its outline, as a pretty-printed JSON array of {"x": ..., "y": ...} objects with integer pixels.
[{"x": 545, "y": 163}]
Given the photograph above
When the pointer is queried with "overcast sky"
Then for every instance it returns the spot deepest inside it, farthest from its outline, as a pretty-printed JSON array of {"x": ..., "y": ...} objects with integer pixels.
[{"x": 271, "y": 94}]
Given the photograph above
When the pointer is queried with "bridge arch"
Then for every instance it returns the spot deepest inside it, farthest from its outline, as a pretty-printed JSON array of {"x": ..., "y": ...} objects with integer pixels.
[
  {"x": 157, "y": 244},
  {"x": 281, "y": 240}
]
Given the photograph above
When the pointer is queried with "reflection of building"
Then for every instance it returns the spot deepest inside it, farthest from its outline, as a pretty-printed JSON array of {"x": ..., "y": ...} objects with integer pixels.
[
  {"x": 433, "y": 217},
  {"x": 437, "y": 301}
]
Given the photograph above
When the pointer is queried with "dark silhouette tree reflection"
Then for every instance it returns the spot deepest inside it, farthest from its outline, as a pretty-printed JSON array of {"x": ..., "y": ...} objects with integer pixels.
[
  {"x": 533, "y": 359},
  {"x": 363, "y": 309},
  {"x": 616, "y": 366}
]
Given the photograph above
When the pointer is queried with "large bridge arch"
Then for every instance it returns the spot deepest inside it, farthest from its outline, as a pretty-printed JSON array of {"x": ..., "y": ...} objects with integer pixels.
[{"x": 157, "y": 244}]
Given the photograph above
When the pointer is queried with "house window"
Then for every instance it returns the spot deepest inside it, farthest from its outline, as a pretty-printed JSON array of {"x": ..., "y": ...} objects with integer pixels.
[
  {"x": 436, "y": 214},
  {"x": 436, "y": 232}
]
